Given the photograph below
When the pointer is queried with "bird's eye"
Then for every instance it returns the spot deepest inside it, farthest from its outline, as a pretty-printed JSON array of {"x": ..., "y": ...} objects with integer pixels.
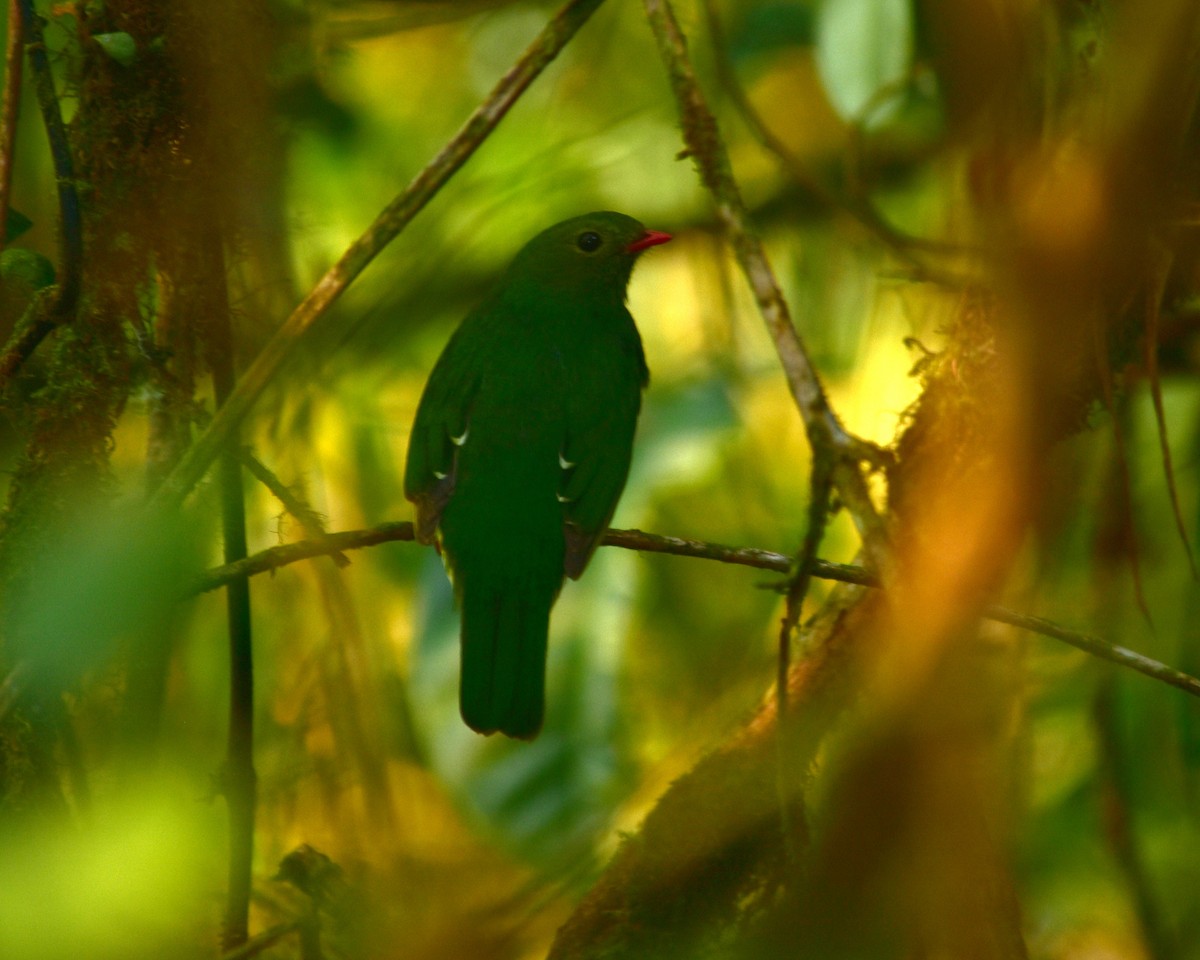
[{"x": 589, "y": 241}]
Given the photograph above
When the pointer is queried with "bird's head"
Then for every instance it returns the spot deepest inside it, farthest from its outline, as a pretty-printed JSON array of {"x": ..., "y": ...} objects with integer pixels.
[{"x": 593, "y": 252}]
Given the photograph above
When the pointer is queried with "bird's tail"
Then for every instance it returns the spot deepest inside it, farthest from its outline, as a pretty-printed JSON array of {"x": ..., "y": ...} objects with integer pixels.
[{"x": 505, "y": 623}]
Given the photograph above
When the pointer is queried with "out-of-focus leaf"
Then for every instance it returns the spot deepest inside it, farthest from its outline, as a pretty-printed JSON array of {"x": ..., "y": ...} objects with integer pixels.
[
  {"x": 100, "y": 580},
  {"x": 123, "y": 888},
  {"x": 308, "y": 104},
  {"x": 675, "y": 437},
  {"x": 769, "y": 27},
  {"x": 863, "y": 47},
  {"x": 26, "y": 267},
  {"x": 15, "y": 225},
  {"x": 119, "y": 45}
]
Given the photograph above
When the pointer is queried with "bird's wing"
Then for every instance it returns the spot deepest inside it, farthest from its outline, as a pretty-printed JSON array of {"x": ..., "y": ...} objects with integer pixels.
[
  {"x": 596, "y": 455},
  {"x": 440, "y": 427}
]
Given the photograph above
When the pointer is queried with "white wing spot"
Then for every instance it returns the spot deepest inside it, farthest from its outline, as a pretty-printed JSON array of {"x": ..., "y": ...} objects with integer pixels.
[
  {"x": 562, "y": 499},
  {"x": 439, "y": 474},
  {"x": 564, "y": 462},
  {"x": 461, "y": 438}
]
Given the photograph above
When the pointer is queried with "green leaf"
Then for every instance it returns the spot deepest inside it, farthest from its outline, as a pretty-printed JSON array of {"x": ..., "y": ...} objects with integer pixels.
[
  {"x": 26, "y": 267},
  {"x": 15, "y": 225},
  {"x": 95, "y": 580},
  {"x": 768, "y": 28},
  {"x": 119, "y": 45},
  {"x": 863, "y": 48}
]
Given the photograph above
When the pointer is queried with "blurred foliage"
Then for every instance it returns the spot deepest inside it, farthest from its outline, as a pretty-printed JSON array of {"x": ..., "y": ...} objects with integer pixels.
[{"x": 896, "y": 122}]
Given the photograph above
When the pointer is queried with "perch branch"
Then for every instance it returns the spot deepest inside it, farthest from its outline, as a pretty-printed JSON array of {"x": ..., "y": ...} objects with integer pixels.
[
  {"x": 393, "y": 218},
  {"x": 281, "y": 556}
]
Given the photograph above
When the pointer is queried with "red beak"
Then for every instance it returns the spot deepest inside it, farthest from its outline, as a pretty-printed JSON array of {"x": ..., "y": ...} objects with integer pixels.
[{"x": 651, "y": 238}]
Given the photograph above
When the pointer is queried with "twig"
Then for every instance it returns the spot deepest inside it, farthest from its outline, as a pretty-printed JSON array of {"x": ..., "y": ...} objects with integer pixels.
[
  {"x": 292, "y": 503},
  {"x": 394, "y": 217},
  {"x": 261, "y": 942},
  {"x": 1097, "y": 647},
  {"x": 1151, "y": 346},
  {"x": 13, "y": 63},
  {"x": 281, "y": 556}
]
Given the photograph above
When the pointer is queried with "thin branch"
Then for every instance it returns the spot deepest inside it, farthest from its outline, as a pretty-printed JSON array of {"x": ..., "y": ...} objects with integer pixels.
[
  {"x": 1097, "y": 647},
  {"x": 393, "y": 219},
  {"x": 70, "y": 228},
  {"x": 263, "y": 941},
  {"x": 836, "y": 454},
  {"x": 826, "y": 434},
  {"x": 703, "y": 139},
  {"x": 398, "y": 531},
  {"x": 238, "y": 779},
  {"x": 9, "y": 108},
  {"x": 292, "y": 502},
  {"x": 1150, "y": 339}
]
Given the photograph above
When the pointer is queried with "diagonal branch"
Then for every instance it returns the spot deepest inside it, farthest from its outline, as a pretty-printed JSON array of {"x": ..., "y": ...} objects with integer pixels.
[
  {"x": 393, "y": 219},
  {"x": 832, "y": 444},
  {"x": 704, "y": 143},
  {"x": 400, "y": 531},
  {"x": 836, "y": 454}
]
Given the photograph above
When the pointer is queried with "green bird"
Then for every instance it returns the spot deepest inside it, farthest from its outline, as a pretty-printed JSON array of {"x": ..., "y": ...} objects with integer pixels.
[{"x": 521, "y": 447}]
